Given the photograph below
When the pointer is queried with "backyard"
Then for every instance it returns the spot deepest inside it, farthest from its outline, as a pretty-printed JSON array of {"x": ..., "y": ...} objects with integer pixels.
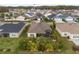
[{"x": 23, "y": 44}]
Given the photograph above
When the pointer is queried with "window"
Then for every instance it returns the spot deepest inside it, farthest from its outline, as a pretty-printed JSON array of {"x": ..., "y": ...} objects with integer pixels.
[
  {"x": 32, "y": 35},
  {"x": 65, "y": 34},
  {"x": 75, "y": 36},
  {"x": 13, "y": 35}
]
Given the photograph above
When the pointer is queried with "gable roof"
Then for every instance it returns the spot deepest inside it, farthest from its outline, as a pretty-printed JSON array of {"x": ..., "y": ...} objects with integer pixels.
[
  {"x": 39, "y": 28},
  {"x": 51, "y": 16},
  {"x": 10, "y": 28},
  {"x": 72, "y": 28}
]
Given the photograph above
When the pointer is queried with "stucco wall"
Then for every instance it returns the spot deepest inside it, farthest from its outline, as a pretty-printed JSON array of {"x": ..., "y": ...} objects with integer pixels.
[
  {"x": 29, "y": 34},
  {"x": 13, "y": 35},
  {"x": 74, "y": 36},
  {"x": 58, "y": 20}
]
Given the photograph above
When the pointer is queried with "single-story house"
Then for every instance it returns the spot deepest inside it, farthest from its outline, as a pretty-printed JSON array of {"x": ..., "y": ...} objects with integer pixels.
[
  {"x": 20, "y": 18},
  {"x": 70, "y": 30},
  {"x": 12, "y": 30},
  {"x": 70, "y": 18},
  {"x": 58, "y": 18},
  {"x": 39, "y": 29}
]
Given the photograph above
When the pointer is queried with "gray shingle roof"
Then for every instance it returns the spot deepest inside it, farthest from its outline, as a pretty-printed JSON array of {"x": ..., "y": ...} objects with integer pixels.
[{"x": 39, "y": 28}]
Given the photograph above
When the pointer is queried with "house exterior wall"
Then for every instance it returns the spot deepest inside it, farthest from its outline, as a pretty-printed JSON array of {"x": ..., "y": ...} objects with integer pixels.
[
  {"x": 58, "y": 20},
  {"x": 31, "y": 34},
  {"x": 20, "y": 18},
  {"x": 74, "y": 36},
  {"x": 13, "y": 35},
  {"x": 65, "y": 34},
  {"x": 69, "y": 19}
]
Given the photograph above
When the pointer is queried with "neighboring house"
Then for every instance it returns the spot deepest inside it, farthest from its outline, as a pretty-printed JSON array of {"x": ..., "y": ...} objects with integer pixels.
[
  {"x": 58, "y": 18},
  {"x": 70, "y": 19},
  {"x": 20, "y": 18},
  {"x": 51, "y": 16},
  {"x": 38, "y": 16},
  {"x": 39, "y": 29},
  {"x": 29, "y": 14},
  {"x": 11, "y": 30},
  {"x": 70, "y": 30}
]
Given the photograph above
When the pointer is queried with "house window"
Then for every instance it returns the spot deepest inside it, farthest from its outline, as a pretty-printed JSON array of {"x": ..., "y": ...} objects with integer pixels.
[
  {"x": 65, "y": 34},
  {"x": 32, "y": 35},
  {"x": 13, "y": 35},
  {"x": 75, "y": 36}
]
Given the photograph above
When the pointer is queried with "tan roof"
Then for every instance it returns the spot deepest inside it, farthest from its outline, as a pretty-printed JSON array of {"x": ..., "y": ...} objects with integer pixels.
[
  {"x": 39, "y": 28},
  {"x": 73, "y": 28}
]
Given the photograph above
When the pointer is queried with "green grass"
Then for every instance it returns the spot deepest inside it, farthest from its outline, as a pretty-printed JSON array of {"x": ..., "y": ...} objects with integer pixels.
[
  {"x": 67, "y": 45},
  {"x": 62, "y": 44},
  {"x": 24, "y": 33},
  {"x": 12, "y": 43},
  {"x": 7, "y": 43}
]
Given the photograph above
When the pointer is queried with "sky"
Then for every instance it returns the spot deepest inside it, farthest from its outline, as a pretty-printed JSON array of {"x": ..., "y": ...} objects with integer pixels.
[{"x": 38, "y": 2}]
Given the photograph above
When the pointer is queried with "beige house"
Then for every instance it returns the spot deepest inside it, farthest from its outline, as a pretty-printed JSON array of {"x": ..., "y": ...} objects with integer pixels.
[
  {"x": 70, "y": 30},
  {"x": 20, "y": 18},
  {"x": 38, "y": 29}
]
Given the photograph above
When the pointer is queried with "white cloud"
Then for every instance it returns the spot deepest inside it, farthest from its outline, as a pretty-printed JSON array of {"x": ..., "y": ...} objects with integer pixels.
[{"x": 39, "y": 2}]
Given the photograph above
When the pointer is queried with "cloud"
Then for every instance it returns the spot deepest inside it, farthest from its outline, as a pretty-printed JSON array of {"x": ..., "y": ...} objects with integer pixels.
[{"x": 38, "y": 2}]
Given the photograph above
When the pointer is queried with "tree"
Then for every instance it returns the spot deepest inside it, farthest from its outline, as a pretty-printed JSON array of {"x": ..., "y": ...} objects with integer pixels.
[
  {"x": 23, "y": 45},
  {"x": 53, "y": 26},
  {"x": 45, "y": 45},
  {"x": 28, "y": 45},
  {"x": 32, "y": 46},
  {"x": 2, "y": 15},
  {"x": 11, "y": 14},
  {"x": 49, "y": 47}
]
